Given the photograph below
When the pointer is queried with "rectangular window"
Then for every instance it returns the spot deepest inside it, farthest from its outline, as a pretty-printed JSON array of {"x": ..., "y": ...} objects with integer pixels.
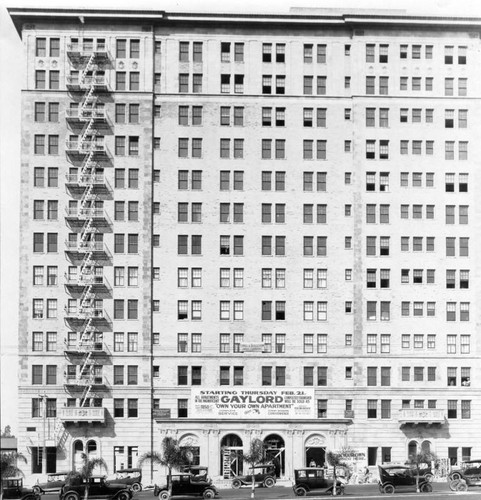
[{"x": 371, "y": 408}]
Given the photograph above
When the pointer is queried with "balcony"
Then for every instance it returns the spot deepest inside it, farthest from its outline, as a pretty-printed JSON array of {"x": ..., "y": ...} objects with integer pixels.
[
  {"x": 84, "y": 380},
  {"x": 85, "y": 147},
  {"x": 86, "y": 247},
  {"x": 72, "y": 82},
  {"x": 82, "y": 180},
  {"x": 83, "y": 347},
  {"x": 94, "y": 313},
  {"x": 87, "y": 279},
  {"x": 84, "y": 414},
  {"x": 79, "y": 114},
  {"x": 416, "y": 416},
  {"x": 99, "y": 82},
  {"x": 78, "y": 50},
  {"x": 96, "y": 214}
]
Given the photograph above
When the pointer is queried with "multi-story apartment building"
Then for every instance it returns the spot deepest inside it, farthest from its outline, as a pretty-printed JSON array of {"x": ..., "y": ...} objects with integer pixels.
[{"x": 249, "y": 226}]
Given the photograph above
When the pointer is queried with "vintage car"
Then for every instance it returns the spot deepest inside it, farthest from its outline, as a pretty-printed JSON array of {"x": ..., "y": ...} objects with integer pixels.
[
  {"x": 187, "y": 485},
  {"x": 199, "y": 471},
  {"x": 401, "y": 478},
  {"x": 265, "y": 475},
  {"x": 468, "y": 475},
  {"x": 53, "y": 484},
  {"x": 98, "y": 486},
  {"x": 129, "y": 477},
  {"x": 313, "y": 479},
  {"x": 13, "y": 488}
]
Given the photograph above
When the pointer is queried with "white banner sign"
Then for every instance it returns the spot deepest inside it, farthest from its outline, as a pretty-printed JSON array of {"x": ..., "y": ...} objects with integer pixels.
[{"x": 292, "y": 403}]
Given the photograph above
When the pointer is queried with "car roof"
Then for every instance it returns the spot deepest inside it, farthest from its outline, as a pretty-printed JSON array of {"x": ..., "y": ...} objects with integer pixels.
[
  {"x": 129, "y": 470},
  {"x": 387, "y": 467},
  {"x": 472, "y": 461}
]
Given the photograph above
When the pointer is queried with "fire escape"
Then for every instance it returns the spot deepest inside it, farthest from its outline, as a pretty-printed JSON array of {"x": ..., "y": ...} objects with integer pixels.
[{"x": 87, "y": 185}]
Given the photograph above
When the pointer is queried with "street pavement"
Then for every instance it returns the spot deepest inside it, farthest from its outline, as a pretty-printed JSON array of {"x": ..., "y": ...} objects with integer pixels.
[{"x": 440, "y": 491}]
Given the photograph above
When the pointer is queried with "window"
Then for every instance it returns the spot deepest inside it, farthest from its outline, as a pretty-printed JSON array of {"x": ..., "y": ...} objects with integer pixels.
[
  {"x": 132, "y": 408},
  {"x": 322, "y": 408},
  {"x": 371, "y": 408},
  {"x": 452, "y": 408}
]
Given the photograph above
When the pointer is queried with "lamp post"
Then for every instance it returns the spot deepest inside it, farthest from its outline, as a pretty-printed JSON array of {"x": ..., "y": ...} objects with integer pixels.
[{"x": 43, "y": 397}]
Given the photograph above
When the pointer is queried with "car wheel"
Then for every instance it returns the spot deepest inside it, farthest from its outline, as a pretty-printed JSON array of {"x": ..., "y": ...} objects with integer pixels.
[
  {"x": 71, "y": 496},
  {"x": 300, "y": 492},
  {"x": 123, "y": 495},
  {"x": 453, "y": 484},
  {"x": 269, "y": 482},
  {"x": 236, "y": 484},
  {"x": 136, "y": 487},
  {"x": 428, "y": 477},
  {"x": 164, "y": 495},
  {"x": 455, "y": 476},
  {"x": 209, "y": 494},
  {"x": 389, "y": 489},
  {"x": 462, "y": 486},
  {"x": 37, "y": 490},
  {"x": 339, "y": 490},
  {"x": 427, "y": 488}
]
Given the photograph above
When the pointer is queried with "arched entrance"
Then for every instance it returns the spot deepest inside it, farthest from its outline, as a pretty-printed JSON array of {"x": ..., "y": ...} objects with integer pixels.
[
  {"x": 315, "y": 450},
  {"x": 275, "y": 452},
  {"x": 231, "y": 462},
  {"x": 191, "y": 441}
]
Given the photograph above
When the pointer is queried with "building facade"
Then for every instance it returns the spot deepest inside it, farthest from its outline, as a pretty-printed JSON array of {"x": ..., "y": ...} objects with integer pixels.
[{"x": 248, "y": 226}]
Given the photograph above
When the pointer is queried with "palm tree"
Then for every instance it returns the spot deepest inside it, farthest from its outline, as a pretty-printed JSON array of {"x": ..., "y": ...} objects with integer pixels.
[
  {"x": 172, "y": 456},
  {"x": 8, "y": 467},
  {"x": 421, "y": 457},
  {"x": 253, "y": 458},
  {"x": 335, "y": 460},
  {"x": 86, "y": 471}
]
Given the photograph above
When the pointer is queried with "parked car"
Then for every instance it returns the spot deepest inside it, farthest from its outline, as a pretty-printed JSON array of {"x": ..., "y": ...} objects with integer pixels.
[
  {"x": 468, "y": 475},
  {"x": 13, "y": 488},
  {"x": 313, "y": 479},
  {"x": 54, "y": 483},
  {"x": 401, "y": 478},
  {"x": 98, "y": 488},
  {"x": 186, "y": 485},
  {"x": 425, "y": 473},
  {"x": 264, "y": 475},
  {"x": 129, "y": 477}
]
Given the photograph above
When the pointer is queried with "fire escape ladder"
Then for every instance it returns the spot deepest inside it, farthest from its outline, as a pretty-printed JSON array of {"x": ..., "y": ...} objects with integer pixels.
[
  {"x": 86, "y": 299},
  {"x": 60, "y": 433},
  {"x": 84, "y": 365},
  {"x": 86, "y": 168},
  {"x": 85, "y": 395}
]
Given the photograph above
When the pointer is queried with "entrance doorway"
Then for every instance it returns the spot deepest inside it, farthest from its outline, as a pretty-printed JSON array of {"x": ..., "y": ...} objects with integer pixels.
[
  {"x": 231, "y": 461},
  {"x": 275, "y": 453},
  {"x": 315, "y": 451},
  {"x": 37, "y": 459}
]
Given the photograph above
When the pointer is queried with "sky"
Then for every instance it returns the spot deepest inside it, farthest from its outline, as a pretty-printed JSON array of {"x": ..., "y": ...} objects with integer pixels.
[{"x": 11, "y": 82}]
